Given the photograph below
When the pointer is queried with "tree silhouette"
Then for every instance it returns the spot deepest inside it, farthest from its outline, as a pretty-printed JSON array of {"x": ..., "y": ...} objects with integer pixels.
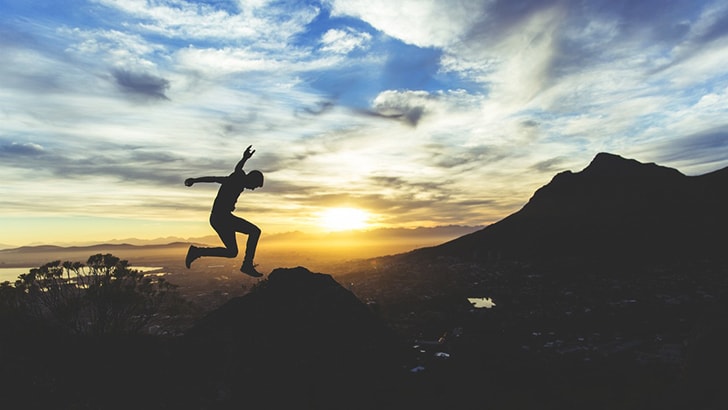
[{"x": 104, "y": 296}]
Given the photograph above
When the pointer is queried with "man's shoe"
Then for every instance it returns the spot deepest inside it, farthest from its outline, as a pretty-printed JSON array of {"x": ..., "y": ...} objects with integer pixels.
[
  {"x": 191, "y": 255},
  {"x": 249, "y": 269}
]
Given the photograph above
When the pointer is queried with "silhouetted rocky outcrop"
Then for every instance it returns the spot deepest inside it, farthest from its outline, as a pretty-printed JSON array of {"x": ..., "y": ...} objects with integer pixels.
[
  {"x": 614, "y": 209},
  {"x": 298, "y": 339}
]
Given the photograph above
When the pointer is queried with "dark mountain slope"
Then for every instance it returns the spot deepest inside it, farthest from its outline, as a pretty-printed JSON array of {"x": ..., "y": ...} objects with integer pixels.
[
  {"x": 615, "y": 208},
  {"x": 299, "y": 339}
]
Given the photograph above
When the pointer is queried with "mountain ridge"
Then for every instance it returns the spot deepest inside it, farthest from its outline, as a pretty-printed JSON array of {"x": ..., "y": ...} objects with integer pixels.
[
  {"x": 440, "y": 230},
  {"x": 90, "y": 248},
  {"x": 613, "y": 208}
]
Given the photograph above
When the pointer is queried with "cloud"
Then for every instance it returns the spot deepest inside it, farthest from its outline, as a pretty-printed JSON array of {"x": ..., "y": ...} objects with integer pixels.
[
  {"x": 96, "y": 161},
  {"x": 712, "y": 24},
  {"x": 224, "y": 61},
  {"x": 408, "y": 187},
  {"x": 701, "y": 152},
  {"x": 512, "y": 63},
  {"x": 319, "y": 108},
  {"x": 459, "y": 159},
  {"x": 408, "y": 105},
  {"x": 423, "y": 23},
  {"x": 21, "y": 149},
  {"x": 114, "y": 47},
  {"x": 343, "y": 41},
  {"x": 413, "y": 106},
  {"x": 252, "y": 21},
  {"x": 141, "y": 84},
  {"x": 551, "y": 165}
]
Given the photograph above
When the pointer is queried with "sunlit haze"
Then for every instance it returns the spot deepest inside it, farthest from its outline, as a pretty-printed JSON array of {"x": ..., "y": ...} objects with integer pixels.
[
  {"x": 343, "y": 219},
  {"x": 421, "y": 113}
]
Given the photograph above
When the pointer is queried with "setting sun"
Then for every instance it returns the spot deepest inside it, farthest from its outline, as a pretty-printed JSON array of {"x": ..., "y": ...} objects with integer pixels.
[{"x": 343, "y": 219}]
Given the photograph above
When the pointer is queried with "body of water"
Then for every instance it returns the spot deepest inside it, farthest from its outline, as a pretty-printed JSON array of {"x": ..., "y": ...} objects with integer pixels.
[{"x": 11, "y": 274}]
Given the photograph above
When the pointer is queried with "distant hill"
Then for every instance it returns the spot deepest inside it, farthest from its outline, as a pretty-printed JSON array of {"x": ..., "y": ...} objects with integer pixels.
[
  {"x": 143, "y": 242},
  {"x": 25, "y": 256},
  {"x": 85, "y": 248},
  {"x": 614, "y": 209}
]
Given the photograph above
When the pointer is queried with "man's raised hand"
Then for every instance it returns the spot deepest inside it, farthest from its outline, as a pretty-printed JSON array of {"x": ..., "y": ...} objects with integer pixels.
[
  {"x": 248, "y": 152},
  {"x": 189, "y": 181}
]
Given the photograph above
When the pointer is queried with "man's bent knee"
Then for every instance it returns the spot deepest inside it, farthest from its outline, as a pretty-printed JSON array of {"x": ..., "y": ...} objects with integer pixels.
[
  {"x": 255, "y": 231},
  {"x": 229, "y": 252}
]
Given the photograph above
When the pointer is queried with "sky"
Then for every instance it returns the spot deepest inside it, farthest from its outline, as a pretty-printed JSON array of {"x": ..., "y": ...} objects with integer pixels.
[{"x": 416, "y": 112}]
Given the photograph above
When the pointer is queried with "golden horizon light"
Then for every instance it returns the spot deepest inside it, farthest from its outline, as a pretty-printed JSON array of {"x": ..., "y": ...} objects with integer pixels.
[{"x": 343, "y": 219}]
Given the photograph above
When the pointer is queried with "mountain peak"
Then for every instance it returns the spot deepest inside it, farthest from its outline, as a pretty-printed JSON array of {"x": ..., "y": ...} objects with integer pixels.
[
  {"x": 608, "y": 160},
  {"x": 606, "y": 164}
]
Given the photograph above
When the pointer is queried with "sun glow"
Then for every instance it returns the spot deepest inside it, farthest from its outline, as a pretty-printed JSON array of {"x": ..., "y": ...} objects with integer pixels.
[{"x": 343, "y": 219}]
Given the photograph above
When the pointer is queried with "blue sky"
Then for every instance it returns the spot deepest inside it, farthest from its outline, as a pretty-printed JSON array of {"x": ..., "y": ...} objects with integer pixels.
[{"x": 420, "y": 112}]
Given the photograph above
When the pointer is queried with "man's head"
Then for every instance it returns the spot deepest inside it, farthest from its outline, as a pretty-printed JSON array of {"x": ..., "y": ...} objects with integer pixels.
[{"x": 254, "y": 179}]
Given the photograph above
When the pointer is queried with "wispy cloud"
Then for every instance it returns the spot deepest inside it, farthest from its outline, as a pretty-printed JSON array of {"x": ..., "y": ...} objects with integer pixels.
[
  {"x": 343, "y": 41},
  {"x": 256, "y": 21}
]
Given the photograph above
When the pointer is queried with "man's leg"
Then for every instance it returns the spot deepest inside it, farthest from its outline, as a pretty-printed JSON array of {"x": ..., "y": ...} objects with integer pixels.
[
  {"x": 224, "y": 225},
  {"x": 251, "y": 244},
  {"x": 253, "y": 232}
]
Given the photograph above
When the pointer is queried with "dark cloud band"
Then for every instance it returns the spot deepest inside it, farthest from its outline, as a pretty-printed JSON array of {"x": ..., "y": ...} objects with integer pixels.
[{"x": 141, "y": 84}]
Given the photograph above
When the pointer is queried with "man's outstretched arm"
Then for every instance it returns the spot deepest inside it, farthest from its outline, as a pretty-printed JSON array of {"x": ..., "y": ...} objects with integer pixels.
[
  {"x": 191, "y": 181},
  {"x": 246, "y": 155}
]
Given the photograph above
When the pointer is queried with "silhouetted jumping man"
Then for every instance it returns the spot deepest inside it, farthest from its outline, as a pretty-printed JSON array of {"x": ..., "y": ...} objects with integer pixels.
[{"x": 224, "y": 222}]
